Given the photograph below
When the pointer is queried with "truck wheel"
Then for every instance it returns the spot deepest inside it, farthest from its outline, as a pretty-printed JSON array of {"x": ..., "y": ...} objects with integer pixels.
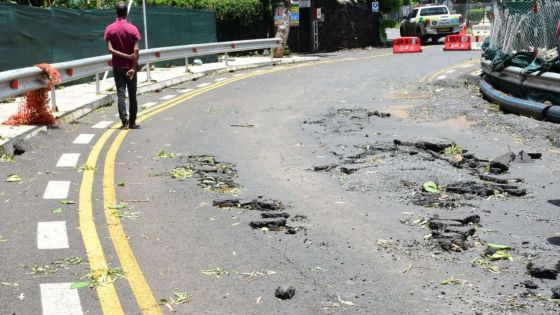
[{"x": 402, "y": 32}]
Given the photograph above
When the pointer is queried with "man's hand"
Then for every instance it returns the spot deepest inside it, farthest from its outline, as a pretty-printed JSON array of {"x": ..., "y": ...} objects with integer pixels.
[{"x": 130, "y": 74}]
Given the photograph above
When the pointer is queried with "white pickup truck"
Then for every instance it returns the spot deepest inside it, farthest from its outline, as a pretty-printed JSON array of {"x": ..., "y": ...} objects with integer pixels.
[{"x": 433, "y": 21}]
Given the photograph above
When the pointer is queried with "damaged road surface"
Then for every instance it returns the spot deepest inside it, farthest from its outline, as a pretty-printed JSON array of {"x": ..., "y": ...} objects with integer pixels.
[{"x": 355, "y": 189}]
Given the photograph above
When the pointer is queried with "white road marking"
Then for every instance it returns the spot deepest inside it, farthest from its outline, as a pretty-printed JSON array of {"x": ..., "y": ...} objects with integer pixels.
[
  {"x": 60, "y": 299},
  {"x": 467, "y": 66},
  {"x": 52, "y": 235},
  {"x": 68, "y": 160},
  {"x": 57, "y": 190},
  {"x": 441, "y": 77},
  {"x": 185, "y": 91},
  {"x": 450, "y": 71},
  {"x": 237, "y": 75},
  {"x": 102, "y": 124},
  {"x": 203, "y": 85},
  {"x": 83, "y": 138},
  {"x": 167, "y": 97},
  {"x": 220, "y": 79}
]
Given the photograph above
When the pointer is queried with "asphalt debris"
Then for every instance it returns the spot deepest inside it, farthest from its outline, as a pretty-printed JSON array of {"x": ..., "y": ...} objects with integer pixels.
[
  {"x": 285, "y": 292},
  {"x": 453, "y": 234}
]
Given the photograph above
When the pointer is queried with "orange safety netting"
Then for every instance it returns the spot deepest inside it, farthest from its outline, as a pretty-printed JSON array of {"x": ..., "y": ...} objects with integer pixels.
[{"x": 35, "y": 107}]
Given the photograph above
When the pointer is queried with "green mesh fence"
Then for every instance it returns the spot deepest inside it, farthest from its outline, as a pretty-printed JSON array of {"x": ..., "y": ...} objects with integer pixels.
[
  {"x": 34, "y": 35},
  {"x": 517, "y": 28}
]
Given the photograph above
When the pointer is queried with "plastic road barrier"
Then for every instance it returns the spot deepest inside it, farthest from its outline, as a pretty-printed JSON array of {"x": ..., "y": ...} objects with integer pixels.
[
  {"x": 406, "y": 45},
  {"x": 457, "y": 42}
]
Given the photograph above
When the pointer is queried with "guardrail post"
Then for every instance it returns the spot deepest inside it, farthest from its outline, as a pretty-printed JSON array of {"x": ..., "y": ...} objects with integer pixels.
[
  {"x": 272, "y": 53},
  {"x": 97, "y": 87},
  {"x": 187, "y": 64},
  {"x": 53, "y": 100},
  {"x": 148, "y": 72},
  {"x": 226, "y": 58}
]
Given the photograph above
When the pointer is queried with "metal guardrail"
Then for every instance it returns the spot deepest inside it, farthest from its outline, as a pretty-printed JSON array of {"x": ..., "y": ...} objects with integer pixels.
[
  {"x": 18, "y": 81},
  {"x": 548, "y": 81}
]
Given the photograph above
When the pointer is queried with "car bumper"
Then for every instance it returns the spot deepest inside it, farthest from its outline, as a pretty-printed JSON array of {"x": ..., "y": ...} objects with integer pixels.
[{"x": 443, "y": 30}]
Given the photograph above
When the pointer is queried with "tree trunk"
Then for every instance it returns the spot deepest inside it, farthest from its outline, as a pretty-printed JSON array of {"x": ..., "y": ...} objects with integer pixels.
[{"x": 284, "y": 29}]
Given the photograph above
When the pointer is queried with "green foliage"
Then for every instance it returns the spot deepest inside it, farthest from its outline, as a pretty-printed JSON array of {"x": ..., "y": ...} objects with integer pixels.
[
  {"x": 390, "y": 6},
  {"x": 475, "y": 15},
  {"x": 241, "y": 10}
]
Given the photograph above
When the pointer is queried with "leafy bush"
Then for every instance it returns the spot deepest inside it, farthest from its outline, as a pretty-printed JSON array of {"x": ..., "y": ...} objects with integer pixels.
[
  {"x": 476, "y": 15},
  {"x": 241, "y": 10}
]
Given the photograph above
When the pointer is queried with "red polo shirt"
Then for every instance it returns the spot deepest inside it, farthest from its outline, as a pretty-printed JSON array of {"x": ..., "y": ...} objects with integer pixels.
[{"x": 122, "y": 35}]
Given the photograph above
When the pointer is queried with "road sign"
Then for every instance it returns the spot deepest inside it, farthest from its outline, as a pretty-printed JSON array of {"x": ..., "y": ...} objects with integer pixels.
[{"x": 375, "y": 7}]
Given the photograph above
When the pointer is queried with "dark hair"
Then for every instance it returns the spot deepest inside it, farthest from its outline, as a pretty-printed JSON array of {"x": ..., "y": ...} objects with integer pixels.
[{"x": 122, "y": 9}]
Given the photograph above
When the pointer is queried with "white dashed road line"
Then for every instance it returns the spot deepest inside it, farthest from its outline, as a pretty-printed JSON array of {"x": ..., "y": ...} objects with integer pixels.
[
  {"x": 57, "y": 190},
  {"x": 83, "y": 138},
  {"x": 68, "y": 160},
  {"x": 450, "y": 71},
  {"x": 203, "y": 85},
  {"x": 237, "y": 75},
  {"x": 102, "y": 124},
  {"x": 167, "y": 97},
  {"x": 60, "y": 299},
  {"x": 219, "y": 79},
  {"x": 441, "y": 77},
  {"x": 52, "y": 235},
  {"x": 467, "y": 66},
  {"x": 185, "y": 91}
]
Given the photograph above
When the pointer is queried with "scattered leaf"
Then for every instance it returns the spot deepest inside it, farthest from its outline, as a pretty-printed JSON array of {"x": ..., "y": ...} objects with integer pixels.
[
  {"x": 121, "y": 184},
  {"x": 57, "y": 210},
  {"x": 453, "y": 281},
  {"x": 81, "y": 284},
  {"x": 85, "y": 167},
  {"x": 119, "y": 206},
  {"x": 500, "y": 255},
  {"x": 345, "y": 302},
  {"x": 181, "y": 173},
  {"x": 7, "y": 158},
  {"x": 179, "y": 298},
  {"x": 499, "y": 246},
  {"x": 12, "y": 178},
  {"x": 431, "y": 187},
  {"x": 218, "y": 272},
  {"x": 127, "y": 214},
  {"x": 10, "y": 284},
  {"x": 453, "y": 150},
  {"x": 166, "y": 155},
  {"x": 67, "y": 202}
]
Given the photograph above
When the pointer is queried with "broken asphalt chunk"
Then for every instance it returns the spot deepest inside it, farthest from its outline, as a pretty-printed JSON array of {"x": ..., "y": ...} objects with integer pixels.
[
  {"x": 272, "y": 225},
  {"x": 538, "y": 270},
  {"x": 285, "y": 292}
]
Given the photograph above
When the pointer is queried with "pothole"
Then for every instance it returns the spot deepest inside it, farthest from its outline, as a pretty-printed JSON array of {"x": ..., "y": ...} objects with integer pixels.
[
  {"x": 404, "y": 167},
  {"x": 346, "y": 120}
]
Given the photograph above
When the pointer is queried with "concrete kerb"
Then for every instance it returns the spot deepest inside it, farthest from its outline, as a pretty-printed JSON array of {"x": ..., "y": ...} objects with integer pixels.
[{"x": 7, "y": 145}]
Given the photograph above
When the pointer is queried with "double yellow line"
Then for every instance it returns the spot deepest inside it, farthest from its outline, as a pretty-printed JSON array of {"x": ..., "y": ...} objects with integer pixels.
[
  {"x": 432, "y": 76},
  {"x": 108, "y": 297}
]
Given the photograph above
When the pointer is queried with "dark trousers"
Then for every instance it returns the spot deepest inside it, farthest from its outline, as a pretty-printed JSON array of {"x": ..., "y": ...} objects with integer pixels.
[{"x": 123, "y": 84}]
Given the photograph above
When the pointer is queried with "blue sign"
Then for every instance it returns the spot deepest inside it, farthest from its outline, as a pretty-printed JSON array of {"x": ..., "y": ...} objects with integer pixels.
[{"x": 375, "y": 7}]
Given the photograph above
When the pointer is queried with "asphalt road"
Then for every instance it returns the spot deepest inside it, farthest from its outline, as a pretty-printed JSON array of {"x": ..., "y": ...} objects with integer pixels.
[{"x": 358, "y": 248}]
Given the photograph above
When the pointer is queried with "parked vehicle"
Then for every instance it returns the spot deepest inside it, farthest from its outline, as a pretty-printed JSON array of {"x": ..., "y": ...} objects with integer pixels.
[{"x": 433, "y": 21}]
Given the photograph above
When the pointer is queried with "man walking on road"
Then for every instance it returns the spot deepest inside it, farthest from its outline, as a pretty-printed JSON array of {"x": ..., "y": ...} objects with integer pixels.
[{"x": 122, "y": 41}]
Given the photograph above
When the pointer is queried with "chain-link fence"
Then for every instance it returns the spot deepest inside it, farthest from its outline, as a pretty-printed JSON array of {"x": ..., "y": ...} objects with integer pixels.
[{"x": 520, "y": 26}]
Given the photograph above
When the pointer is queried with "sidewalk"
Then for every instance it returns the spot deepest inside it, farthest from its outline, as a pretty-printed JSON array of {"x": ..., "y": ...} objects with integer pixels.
[{"x": 76, "y": 101}]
